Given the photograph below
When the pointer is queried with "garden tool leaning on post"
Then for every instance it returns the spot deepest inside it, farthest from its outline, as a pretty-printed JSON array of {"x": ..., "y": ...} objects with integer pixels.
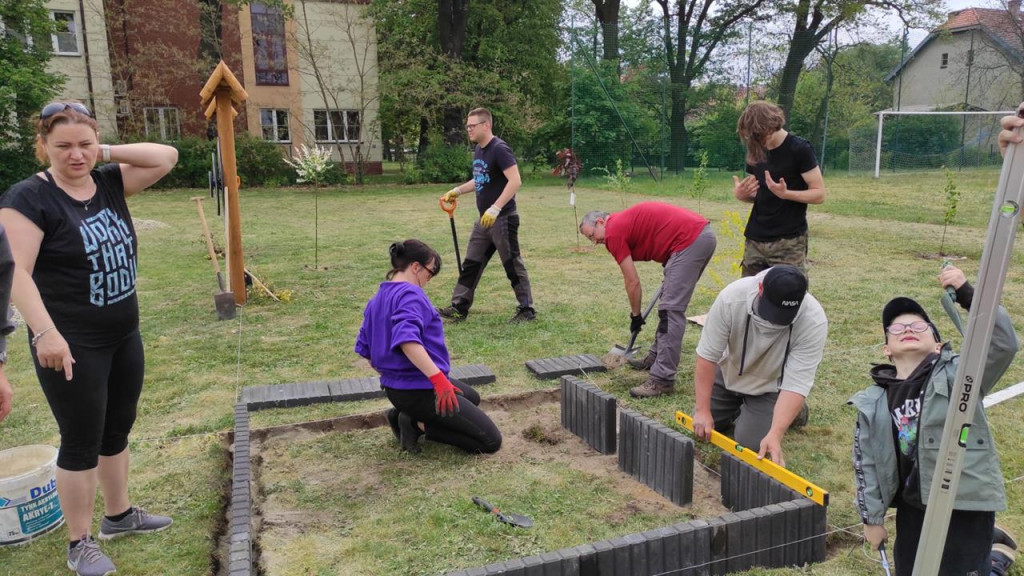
[
  {"x": 455, "y": 238},
  {"x": 224, "y": 301}
]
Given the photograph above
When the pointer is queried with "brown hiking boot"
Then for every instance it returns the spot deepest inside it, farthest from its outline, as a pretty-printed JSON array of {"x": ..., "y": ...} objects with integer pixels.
[
  {"x": 652, "y": 388},
  {"x": 644, "y": 363}
]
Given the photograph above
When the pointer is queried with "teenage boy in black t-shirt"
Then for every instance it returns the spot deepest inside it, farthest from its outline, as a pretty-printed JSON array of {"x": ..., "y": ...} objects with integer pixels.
[
  {"x": 784, "y": 179},
  {"x": 495, "y": 181}
]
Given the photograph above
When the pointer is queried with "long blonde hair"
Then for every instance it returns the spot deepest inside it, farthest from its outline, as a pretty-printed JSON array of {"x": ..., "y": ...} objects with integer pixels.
[{"x": 760, "y": 120}]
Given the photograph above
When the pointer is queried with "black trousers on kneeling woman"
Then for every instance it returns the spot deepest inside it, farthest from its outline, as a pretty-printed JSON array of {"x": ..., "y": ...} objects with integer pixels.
[{"x": 470, "y": 429}]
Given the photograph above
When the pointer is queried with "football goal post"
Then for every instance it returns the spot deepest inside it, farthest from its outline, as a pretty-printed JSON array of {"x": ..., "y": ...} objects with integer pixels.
[{"x": 924, "y": 140}]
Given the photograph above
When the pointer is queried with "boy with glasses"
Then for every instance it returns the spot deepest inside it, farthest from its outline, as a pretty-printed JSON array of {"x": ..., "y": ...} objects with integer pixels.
[
  {"x": 906, "y": 409},
  {"x": 495, "y": 183}
]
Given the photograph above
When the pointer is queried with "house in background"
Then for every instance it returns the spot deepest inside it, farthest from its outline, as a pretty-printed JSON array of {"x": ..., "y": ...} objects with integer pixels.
[
  {"x": 139, "y": 64},
  {"x": 973, "y": 61},
  {"x": 80, "y": 54}
]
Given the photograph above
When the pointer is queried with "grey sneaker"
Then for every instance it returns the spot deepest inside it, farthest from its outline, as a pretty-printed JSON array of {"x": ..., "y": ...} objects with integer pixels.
[
  {"x": 86, "y": 559},
  {"x": 137, "y": 522},
  {"x": 452, "y": 314},
  {"x": 644, "y": 363},
  {"x": 1002, "y": 558},
  {"x": 523, "y": 314},
  {"x": 652, "y": 388}
]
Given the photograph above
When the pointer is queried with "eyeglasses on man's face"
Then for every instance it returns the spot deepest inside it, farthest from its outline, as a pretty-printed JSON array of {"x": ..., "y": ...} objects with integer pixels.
[
  {"x": 58, "y": 107},
  {"x": 472, "y": 125},
  {"x": 917, "y": 327}
]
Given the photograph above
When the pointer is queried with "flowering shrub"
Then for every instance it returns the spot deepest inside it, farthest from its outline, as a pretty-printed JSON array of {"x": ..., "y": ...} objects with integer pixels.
[{"x": 311, "y": 164}]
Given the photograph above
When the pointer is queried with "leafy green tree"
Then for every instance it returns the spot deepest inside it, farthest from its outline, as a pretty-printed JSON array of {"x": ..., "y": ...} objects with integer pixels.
[
  {"x": 814, "y": 20},
  {"x": 25, "y": 84},
  {"x": 693, "y": 30}
]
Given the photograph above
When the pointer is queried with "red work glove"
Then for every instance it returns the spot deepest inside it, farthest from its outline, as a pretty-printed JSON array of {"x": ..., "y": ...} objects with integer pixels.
[{"x": 445, "y": 402}]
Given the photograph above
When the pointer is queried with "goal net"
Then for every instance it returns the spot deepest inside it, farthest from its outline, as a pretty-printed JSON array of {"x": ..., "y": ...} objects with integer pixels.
[{"x": 906, "y": 140}]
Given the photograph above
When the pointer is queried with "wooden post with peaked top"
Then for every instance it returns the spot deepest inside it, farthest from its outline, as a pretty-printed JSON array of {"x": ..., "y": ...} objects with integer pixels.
[{"x": 219, "y": 96}]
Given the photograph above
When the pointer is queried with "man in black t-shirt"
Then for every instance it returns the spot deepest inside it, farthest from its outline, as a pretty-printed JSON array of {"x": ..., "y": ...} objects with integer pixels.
[
  {"x": 495, "y": 182},
  {"x": 784, "y": 178}
]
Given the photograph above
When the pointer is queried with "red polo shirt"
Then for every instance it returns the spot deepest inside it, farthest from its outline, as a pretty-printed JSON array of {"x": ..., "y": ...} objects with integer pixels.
[{"x": 651, "y": 231}]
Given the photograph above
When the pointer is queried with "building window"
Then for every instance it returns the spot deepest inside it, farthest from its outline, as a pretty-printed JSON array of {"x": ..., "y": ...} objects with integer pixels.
[
  {"x": 268, "y": 45},
  {"x": 342, "y": 127},
  {"x": 65, "y": 39},
  {"x": 163, "y": 123},
  {"x": 275, "y": 125},
  {"x": 944, "y": 61}
]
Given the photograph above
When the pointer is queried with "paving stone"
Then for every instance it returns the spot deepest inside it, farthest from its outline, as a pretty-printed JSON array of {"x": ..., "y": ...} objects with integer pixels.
[
  {"x": 655, "y": 550},
  {"x": 514, "y": 567},
  {"x": 552, "y": 563},
  {"x": 550, "y": 368},
  {"x": 587, "y": 559},
  {"x": 563, "y": 393},
  {"x": 645, "y": 441},
  {"x": 570, "y": 562},
  {"x": 777, "y": 554},
  {"x": 792, "y": 532},
  {"x": 473, "y": 374},
  {"x": 610, "y": 408},
  {"x": 687, "y": 544}
]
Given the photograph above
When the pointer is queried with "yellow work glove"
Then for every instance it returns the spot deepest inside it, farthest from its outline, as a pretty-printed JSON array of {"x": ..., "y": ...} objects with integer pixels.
[
  {"x": 488, "y": 217},
  {"x": 450, "y": 195}
]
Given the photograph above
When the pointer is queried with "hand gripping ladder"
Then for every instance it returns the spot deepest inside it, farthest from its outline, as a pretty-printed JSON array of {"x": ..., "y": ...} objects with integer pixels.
[{"x": 964, "y": 396}]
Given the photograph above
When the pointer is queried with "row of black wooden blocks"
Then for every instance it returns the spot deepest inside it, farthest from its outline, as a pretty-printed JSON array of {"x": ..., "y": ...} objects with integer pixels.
[
  {"x": 589, "y": 413},
  {"x": 777, "y": 535},
  {"x": 306, "y": 393},
  {"x": 657, "y": 456},
  {"x": 240, "y": 511},
  {"x": 745, "y": 487},
  {"x": 578, "y": 365}
]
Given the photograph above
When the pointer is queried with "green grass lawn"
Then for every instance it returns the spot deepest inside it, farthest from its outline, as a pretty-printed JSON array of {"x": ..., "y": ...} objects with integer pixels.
[{"x": 865, "y": 246}]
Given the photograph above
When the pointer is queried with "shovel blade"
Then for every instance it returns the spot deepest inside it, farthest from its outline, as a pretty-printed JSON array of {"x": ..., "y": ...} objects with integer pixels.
[
  {"x": 225, "y": 303},
  {"x": 617, "y": 356},
  {"x": 516, "y": 520}
]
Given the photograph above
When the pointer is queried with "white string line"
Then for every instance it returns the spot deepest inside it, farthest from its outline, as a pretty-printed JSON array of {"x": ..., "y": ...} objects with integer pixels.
[{"x": 727, "y": 558}]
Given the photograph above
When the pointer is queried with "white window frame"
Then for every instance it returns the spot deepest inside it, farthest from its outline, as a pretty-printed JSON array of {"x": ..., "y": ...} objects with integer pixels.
[
  {"x": 163, "y": 129},
  {"x": 275, "y": 127},
  {"x": 331, "y": 136},
  {"x": 55, "y": 37}
]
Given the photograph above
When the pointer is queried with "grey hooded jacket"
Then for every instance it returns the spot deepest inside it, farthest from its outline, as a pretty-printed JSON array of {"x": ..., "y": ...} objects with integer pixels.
[{"x": 874, "y": 451}]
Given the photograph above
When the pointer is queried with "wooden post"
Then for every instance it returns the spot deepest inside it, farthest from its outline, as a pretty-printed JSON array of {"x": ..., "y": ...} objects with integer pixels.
[{"x": 219, "y": 95}]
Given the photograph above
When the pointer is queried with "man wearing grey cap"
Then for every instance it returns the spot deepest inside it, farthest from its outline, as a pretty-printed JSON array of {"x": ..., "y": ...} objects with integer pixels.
[{"x": 756, "y": 359}]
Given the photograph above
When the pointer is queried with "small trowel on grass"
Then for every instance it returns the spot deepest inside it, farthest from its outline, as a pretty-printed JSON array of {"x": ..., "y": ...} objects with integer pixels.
[
  {"x": 618, "y": 355},
  {"x": 513, "y": 519}
]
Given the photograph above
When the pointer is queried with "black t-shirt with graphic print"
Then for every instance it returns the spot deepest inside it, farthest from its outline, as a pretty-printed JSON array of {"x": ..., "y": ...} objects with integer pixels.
[
  {"x": 489, "y": 165},
  {"x": 87, "y": 262},
  {"x": 773, "y": 218},
  {"x": 906, "y": 399}
]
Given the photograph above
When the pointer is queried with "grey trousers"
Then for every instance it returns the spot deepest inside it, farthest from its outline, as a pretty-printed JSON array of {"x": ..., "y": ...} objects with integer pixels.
[
  {"x": 682, "y": 271},
  {"x": 502, "y": 237},
  {"x": 745, "y": 418}
]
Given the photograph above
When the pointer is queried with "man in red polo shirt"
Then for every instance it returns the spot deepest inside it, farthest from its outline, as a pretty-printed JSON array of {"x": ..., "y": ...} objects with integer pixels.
[{"x": 683, "y": 243}]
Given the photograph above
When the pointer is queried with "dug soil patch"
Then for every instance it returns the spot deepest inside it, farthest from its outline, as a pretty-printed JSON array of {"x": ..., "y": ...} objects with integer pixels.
[{"x": 351, "y": 503}]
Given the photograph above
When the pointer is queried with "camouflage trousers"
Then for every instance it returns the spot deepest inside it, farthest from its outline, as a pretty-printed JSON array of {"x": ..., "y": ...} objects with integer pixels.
[{"x": 758, "y": 256}]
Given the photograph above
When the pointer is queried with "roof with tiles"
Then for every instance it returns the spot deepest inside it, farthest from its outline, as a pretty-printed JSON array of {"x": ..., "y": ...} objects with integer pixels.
[{"x": 1000, "y": 23}]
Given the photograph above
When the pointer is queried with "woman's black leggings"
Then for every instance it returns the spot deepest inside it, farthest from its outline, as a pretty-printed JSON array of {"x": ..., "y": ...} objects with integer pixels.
[
  {"x": 469, "y": 429},
  {"x": 95, "y": 411}
]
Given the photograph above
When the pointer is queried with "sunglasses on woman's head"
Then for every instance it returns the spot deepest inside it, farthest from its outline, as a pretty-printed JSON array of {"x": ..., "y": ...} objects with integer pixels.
[{"x": 58, "y": 107}]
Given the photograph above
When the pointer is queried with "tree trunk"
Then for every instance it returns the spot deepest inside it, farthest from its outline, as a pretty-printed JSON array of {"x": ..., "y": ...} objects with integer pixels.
[
  {"x": 607, "y": 12},
  {"x": 678, "y": 134},
  {"x": 421, "y": 146},
  {"x": 452, "y": 16},
  {"x": 799, "y": 49}
]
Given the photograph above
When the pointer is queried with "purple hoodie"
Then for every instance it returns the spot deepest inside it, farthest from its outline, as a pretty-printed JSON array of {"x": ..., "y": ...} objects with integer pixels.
[{"x": 398, "y": 313}]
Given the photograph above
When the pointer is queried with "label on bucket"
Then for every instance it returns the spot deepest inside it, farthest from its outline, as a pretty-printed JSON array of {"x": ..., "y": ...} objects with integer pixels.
[{"x": 25, "y": 518}]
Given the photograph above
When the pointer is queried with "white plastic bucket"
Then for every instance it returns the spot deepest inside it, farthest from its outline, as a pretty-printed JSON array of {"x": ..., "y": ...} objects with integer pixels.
[{"x": 28, "y": 493}]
